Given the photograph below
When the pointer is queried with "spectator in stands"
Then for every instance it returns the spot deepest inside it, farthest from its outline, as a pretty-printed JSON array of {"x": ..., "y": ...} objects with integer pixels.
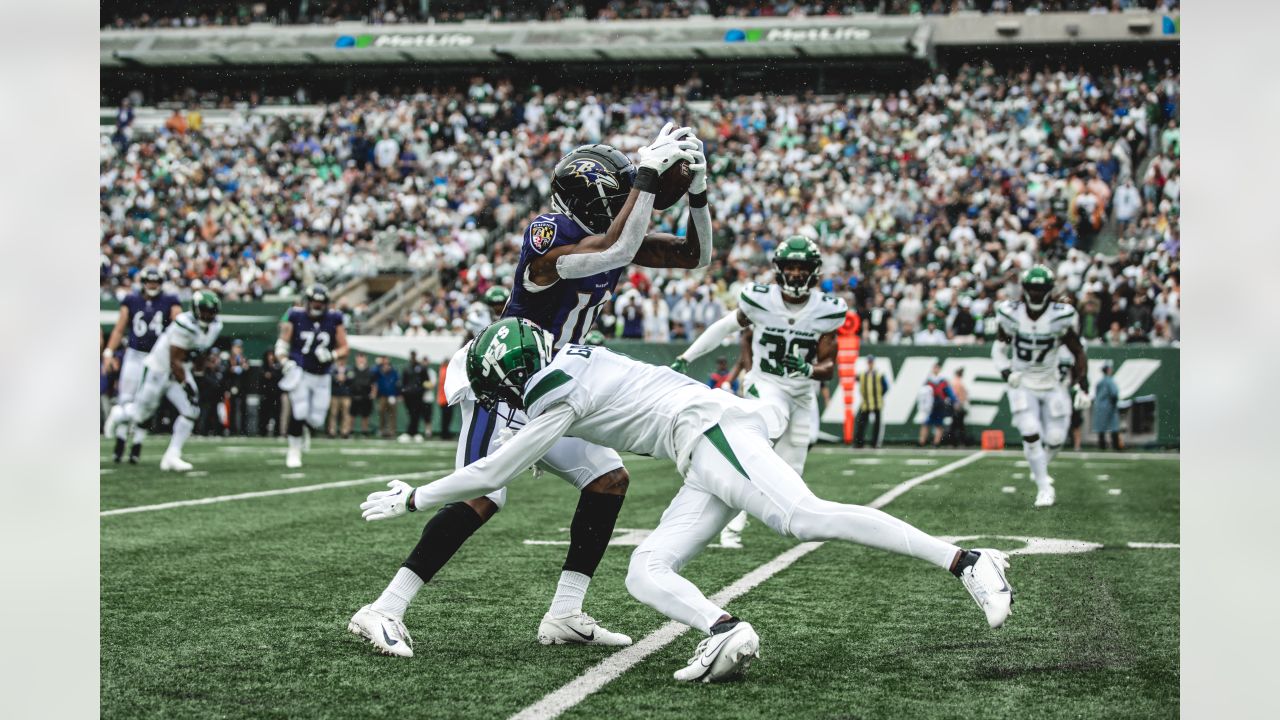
[
  {"x": 941, "y": 399},
  {"x": 362, "y": 393},
  {"x": 931, "y": 335},
  {"x": 722, "y": 377},
  {"x": 211, "y": 385},
  {"x": 1106, "y": 410},
  {"x": 237, "y": 388},
  {"x": 872, "y": 387},
  {"x": 958, "y": 434},
  {"x": 340, "y": 402},
  {"x": 387, "y": 385},
  {"x": 413, "y": 386},
  {"x": 268, "y": 390}
]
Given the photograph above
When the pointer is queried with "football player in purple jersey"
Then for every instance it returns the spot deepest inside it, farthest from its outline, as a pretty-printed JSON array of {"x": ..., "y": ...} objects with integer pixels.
[
  {"x": 143, "y": 316},
  {"x": 570, "y": 262},
  {"x": 311, "y": 339}
]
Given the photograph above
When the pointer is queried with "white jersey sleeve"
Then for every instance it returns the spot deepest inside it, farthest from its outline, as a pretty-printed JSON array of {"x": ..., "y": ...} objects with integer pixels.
[
  {"x": 496, "y": 470},
  {"x": 456, "y": 383},
  {"x": 184, "y": 332}
]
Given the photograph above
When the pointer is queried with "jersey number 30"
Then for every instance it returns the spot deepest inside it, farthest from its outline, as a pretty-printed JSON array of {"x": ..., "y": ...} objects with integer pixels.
[{"x": 778, "y": 349}]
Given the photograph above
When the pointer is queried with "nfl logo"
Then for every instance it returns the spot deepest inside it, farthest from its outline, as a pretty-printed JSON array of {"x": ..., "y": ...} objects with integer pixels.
[{"x": 541, "y": 235}]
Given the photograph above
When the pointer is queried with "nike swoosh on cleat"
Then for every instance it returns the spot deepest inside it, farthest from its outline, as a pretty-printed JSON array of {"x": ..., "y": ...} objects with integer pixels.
[
  {"x": 588, "y": 638},
  {"x": 387, "y": 637}
]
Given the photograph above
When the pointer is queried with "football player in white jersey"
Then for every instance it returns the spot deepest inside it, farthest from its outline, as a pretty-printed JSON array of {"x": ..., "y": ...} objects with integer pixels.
[
  {"x": 167, "y": 373},
  {"x": 1026, "y": 354},
  {"x": 793, "y": 351},
  {"x": 484, "y": 311},
  {"x": 720, "y": 445}
]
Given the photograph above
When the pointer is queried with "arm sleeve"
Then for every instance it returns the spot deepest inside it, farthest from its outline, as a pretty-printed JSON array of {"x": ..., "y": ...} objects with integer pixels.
[
  {"x": 620, "y": 254},
  {"x": 700, "y": 216},
  {"x": 1000, "y": 355},
  {"x": 711, "y": 338},
  {"x": 496, "y": 471},
  {"x": 182, "y": 336}
]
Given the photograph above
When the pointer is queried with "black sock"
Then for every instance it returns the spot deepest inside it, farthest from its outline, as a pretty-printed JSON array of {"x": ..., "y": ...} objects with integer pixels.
[
  {"x": 295, "y": 427},
  {"x": 725, "y": 625},
  {"x": 591, "y": 530},
  {"x": 444, "y": 534},
  {"x": 968, "y": 558},
  {"x": 119, "y": 451},
  {"x": 135, "y": 452}
]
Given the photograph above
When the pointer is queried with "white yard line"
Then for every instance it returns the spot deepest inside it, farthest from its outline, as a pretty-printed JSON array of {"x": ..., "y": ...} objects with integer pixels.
[
  {"x": 1155, "y": 545},
  {"x": 575, "y": 691},
  {"x": 424, "y": 475}
]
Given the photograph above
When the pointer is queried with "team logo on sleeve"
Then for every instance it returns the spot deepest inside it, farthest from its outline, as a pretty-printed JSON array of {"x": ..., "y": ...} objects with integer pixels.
[{"x": 541, "y": 235}]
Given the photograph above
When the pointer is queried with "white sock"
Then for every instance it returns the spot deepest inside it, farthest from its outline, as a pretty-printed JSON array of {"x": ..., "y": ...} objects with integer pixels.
[
  {"x": 295, "y": 443},
  {"x": 122, "y": 431},
  {"x": 182, "y": 428},
  {"x": 737, "y": 524},
  {"x": 396, "y": 598},
  {"x": 139, "y": 434},
  {"x": 1037, "y": 462},
  {"x": 570, "y": 592}
]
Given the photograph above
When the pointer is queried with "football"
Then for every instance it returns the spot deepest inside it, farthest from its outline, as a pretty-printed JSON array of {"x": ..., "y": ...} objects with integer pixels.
[{"x": 672, "y": 185}]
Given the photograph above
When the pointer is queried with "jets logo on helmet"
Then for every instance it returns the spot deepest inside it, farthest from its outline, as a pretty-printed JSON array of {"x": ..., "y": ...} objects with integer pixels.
[
  {"x": 317, "y": 300},
  {"x": 590, "y": 185},
  {"x": 205, "y": 305},
  {"x": 797, "y": 261},
  {"x": 502, "y": 360},
  {"x": 1037, "y": 286}
]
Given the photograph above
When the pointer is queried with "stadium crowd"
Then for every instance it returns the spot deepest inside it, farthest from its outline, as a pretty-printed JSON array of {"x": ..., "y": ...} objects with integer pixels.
[
  {"x": 129, "y": 14},
  {"x": 925, "y": 203}
]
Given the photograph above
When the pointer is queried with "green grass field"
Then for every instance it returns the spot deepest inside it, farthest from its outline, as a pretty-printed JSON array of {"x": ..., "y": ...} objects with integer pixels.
[{"x": 239, "y": 608}]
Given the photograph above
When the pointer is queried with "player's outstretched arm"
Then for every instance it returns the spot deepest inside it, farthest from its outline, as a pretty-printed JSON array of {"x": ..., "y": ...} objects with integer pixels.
[
  {"x": 490, "y": 473},
  {"x": 1080, "y": 370},
  {"x": 117, "y": 334},
  {"x": 1000, "y": 356},
  {"x": 617, "y": 247},
  {"x": 715, "y": 334},
  {"x": 661, "y": 250}
]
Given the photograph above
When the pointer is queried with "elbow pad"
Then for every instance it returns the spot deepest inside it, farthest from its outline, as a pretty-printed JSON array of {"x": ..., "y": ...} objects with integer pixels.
[{"x": 282, "y": 349}]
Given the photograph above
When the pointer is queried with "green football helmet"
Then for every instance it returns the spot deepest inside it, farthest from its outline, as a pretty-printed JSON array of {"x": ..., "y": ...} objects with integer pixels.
[
  {"x": 595, "y": 337},
  {"x": 796, "y": 262},
  {"x": 496, "y": 297},
  {"x": 503, "y": 359},
  {"x": 1037, "y": 286},
  {"x": 205, "y": 305}
]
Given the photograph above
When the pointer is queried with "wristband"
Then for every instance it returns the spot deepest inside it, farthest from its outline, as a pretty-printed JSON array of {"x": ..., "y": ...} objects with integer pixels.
[
  {"x": 108, "y": 354},
  {"x": 646, "y": 180},
  {"x": 409, "y": 504},
  {"x": 698, "y": 200}
]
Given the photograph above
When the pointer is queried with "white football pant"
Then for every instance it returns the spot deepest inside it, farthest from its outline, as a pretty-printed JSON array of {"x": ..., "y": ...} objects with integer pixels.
[
  {"x": 734, "y": 467},
  {"x": 309, "y": 401}
]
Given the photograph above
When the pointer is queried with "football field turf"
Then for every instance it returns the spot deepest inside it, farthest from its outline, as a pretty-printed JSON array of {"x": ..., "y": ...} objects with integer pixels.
[{"x": 237, "y": 607}]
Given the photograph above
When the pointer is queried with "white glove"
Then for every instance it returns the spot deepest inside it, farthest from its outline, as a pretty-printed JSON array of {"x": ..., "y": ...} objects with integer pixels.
[
  {"x": 323, "y": 354},
  {"x": 1083, "y": 400},
  {"x": 287, "y": 366},
  {"x": 1015, "y": 379},
  {"x": 670, "y": 146},
  {"x": 385, "y": 504},
  {"x": 699, "y": 167}
]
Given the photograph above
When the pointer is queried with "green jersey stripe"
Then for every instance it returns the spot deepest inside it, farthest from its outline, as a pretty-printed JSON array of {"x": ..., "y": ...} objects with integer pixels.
[
  {"x": 184, "y": 326},
  {"x": 751, "y": 302},
  {"x": 721, "y": 443},
  {"x": 553, "y": 380},
  {"x": 832, "y": 316}
]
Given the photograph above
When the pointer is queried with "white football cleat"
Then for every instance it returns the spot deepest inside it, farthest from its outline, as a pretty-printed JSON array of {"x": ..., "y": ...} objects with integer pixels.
[
  {"x": 579, "y": 628},
  {"x": 171, "y": 461},
  {"x": 388, "y": 634},
  {"x": 731, "y": 535},
  {"x": 114, "y": 418},
  {"x": 293, "y": 458},
  {"x": 722, "y": 655},
  {"x": 986, "y": 583},
  {"x": 1045, "y": 496},
  {"x": 403, "y": 438}
]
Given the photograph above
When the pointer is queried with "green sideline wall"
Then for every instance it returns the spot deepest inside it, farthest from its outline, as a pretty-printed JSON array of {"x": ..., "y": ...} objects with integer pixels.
[{"x": 1141, "y": 372}]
